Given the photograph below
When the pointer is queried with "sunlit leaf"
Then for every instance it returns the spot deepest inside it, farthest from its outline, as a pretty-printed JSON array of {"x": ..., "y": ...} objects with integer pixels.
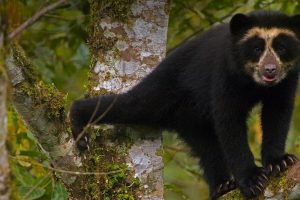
[
  {"x": 22, "y": 176},
  {"x": 30, "y": 193}
]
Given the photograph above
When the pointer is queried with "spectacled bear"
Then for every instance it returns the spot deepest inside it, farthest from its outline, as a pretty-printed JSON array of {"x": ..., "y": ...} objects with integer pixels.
[{"x": 205, "y": 90}]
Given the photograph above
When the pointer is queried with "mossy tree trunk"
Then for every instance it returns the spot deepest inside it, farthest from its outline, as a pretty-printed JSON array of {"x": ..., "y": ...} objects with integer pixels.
[
  {"x": 4, "y": 166},
  {"x": 41, "y": 107},
  {"x": 127, "y": 40}
]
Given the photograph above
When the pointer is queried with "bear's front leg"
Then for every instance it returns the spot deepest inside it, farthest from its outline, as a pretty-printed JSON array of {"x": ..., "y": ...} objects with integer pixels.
[
  {"x": 230, "y": 115},
  {"x": 276, "y": 115}
]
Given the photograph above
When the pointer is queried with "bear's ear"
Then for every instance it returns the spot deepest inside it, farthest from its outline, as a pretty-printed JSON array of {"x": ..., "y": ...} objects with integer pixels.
[{"x": 239, "y": 23}]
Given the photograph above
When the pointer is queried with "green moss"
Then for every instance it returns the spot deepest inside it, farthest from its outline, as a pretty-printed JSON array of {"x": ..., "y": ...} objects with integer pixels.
[
  {"x": 104, "y": 156},
  {"x": 42, "y": 94},
  {"x": 121, "y": 185},
  {"x": 54, "y": 100},
  {"x": 94, "y": 82},
  {"x": 281, "y": 183},
  {"x": 46, "y": 95},
  {"x": 117, "y": 10},
  {"x": 107, "y": 157},
  {"x": 236, "y": 194},
  {"x": 98, "y": 43},
  {"x": 168, "y": 7},
  {"x": 22, "y": 61},
  {"x": 276, "y": 184},
  {"x": 159, "y": 152},
  {"x": 2, "y": 63}
]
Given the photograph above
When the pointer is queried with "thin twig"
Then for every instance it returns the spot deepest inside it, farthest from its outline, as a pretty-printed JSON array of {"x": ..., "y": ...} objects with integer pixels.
[
  {"x": 94, "y": 122},
  {"x": 36, "y": 17},
  {"x": 67, "y": 171},
  {"x": 202, "y": 29},
  {"x": 90, "y": 120}
]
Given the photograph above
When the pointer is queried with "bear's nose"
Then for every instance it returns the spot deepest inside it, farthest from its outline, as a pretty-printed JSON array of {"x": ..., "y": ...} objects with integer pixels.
[{"x": 270, "y": 69}]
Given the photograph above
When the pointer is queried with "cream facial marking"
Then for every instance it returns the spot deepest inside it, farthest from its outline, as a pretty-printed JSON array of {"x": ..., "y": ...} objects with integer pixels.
[
  {"x": 267, "y": 34},
  {"x": 268, "y": 57}
]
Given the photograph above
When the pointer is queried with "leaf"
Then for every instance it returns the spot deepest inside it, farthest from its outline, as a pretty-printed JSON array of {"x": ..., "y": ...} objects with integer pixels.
[
  {"x": 22, "y": 176},
  {"x": 31, "y": 154},
  {"x": 27, "y": 194},
  {"x": 81, "y": 56},
  {"x": 59, "y": 192}
]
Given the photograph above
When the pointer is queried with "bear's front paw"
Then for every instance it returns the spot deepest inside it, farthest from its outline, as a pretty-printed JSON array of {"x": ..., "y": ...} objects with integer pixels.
[
  {"x": 82, "y": 144},
  {"x": 275, "y": 166},
  {"x": 254, "y": 184},
  {"x": 223, "y": 189}
]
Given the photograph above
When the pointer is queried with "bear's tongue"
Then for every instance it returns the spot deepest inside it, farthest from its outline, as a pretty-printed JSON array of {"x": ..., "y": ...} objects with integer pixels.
[{"x": 269, "y": 78}]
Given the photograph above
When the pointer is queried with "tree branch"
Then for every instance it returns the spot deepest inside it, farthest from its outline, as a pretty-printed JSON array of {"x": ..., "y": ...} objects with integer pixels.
[
  {"x": 36, "y": 17},
  {"x": 41, "y": 107},
  {"x": 285, "y": 187}
]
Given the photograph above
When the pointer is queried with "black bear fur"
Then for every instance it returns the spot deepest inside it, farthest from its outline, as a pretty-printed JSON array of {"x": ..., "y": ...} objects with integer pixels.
[{"x": 201, "y": 91}]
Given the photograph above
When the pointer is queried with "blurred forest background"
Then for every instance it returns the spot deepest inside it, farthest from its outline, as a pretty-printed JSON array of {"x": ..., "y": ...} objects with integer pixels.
[{"x": 58, "y": 45}]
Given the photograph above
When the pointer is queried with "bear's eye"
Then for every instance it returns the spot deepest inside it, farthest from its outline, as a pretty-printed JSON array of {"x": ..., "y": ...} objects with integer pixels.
[
  {"x": 281, "y": 49},
  {"x": 258, "y": 50}
]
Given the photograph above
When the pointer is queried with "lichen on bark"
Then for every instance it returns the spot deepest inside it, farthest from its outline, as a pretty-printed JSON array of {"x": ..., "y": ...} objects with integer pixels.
[
  {"x": 117, "y": 10},
  {"x": 128, "y": 39}
]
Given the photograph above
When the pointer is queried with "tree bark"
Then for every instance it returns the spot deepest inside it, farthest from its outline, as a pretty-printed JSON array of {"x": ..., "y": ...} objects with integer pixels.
[
  {"x": 4, "y": 165},
  {"x": 127, "y": 42},
  {"x": 42, "y": 109}
]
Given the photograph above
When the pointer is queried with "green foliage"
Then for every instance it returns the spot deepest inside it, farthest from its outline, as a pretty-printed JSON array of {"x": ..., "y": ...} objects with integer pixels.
[
  {"x": 57, "y": 45},
  {"x": 59, "y": 192},
  {"x": 30, "y": 179},
  {"x": 187, "y": 18},
  {"x": 30, "y": 194}
]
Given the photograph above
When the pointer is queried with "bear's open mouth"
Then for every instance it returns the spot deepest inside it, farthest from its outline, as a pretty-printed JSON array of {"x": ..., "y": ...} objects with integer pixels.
[{"x": 269, "y": 79}]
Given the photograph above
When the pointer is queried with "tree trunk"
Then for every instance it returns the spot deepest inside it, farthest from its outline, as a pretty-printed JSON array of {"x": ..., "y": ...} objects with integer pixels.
[
  {"x": 4, "y": 165},
  {"x": 127, "y": 41},
  {"x": 41, "y": 107}
]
